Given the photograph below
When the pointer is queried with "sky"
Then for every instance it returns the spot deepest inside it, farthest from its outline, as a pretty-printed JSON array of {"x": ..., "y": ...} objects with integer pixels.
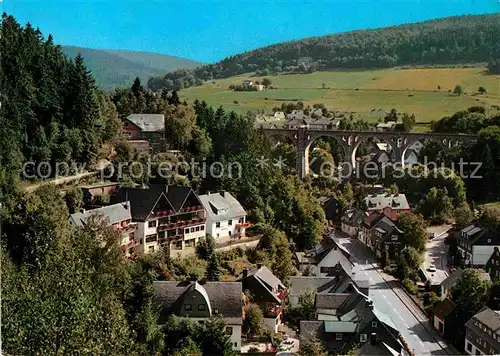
[{"x": 210, "y": 30}]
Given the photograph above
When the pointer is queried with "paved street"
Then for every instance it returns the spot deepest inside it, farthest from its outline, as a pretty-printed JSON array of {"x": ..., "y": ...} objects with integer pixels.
[
  {"x": 437, "y": 253},
  {"x": 409, "y": 322}
]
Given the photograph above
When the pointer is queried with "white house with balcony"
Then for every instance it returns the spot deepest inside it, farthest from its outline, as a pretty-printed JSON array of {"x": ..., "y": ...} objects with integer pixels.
[{"x": 225, "y": 215}]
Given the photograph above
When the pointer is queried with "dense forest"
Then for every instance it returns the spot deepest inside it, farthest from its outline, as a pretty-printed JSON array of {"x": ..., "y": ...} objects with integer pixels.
[
  {"x": 454, "y": 40},
  {"x": 69, "y": 290},
  {"x": 51, "y": 110}
]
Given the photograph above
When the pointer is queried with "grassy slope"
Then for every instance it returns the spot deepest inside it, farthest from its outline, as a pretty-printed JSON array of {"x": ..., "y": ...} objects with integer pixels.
[
  {"x": 115, "y": 68},
  {"x": 368, "y": 93}
]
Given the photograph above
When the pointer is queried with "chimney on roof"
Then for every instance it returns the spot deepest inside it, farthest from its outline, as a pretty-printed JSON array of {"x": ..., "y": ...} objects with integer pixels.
[
  {"x": 245, "y": 272},
  {"x": 166, "y": 189},
  {"x": 208, "y": 193}
]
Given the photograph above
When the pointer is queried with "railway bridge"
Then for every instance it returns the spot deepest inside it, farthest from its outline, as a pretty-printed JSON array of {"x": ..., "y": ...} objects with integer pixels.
[{"x": 303, "y": 138}]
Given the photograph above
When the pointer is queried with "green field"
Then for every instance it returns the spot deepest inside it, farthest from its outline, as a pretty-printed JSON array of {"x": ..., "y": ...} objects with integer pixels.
[{"x": 366, "y": 93}]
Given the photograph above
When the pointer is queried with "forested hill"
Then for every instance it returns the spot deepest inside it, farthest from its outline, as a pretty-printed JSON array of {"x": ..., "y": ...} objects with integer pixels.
[
  {"x": 119, "y": 68},
  {"x": 453, "y": 40}
]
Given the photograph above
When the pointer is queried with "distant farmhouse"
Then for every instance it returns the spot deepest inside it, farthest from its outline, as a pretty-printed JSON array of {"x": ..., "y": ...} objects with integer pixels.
[
  {"x": 141, "y": 128},
  {"x": 315, "y": 120}
]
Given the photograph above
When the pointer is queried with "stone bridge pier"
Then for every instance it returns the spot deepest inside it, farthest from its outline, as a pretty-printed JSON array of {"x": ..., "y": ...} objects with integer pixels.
[{"x": 399, "y": 142}]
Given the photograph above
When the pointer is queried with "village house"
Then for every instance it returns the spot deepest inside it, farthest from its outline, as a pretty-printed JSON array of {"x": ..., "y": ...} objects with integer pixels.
[
  {"x": 93, "y": 193},
  {"x": 117, "y": 216},
  {"x": 164, "y": 214},
  {"x": 447, "y": 285},
  {"x": 323, "y": 257},
  {"x": 345, "y": 320},
  {"x": 225, "y": 215},
  {"x": 493, "y": 264},
  {"x": 267, "y": 291},
  {"x": 332, "y": 208},
  {"x": 199, "y": 301},
  {"x": 482, "y": 333},
  {"x": 396, "y": 202},
  {"x": 386, "y": 126},
  {"x": 351, "y": 222},
  {"x": 443, "y": 314},
  {"x": 476, "y": 245},
  {"x": 339, "y": 282},
  {"x": 149, "y": 127}
]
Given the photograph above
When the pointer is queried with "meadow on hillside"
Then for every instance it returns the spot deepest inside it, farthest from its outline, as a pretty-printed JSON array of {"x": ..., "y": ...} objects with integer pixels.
[{"x": 366, "y": 93}]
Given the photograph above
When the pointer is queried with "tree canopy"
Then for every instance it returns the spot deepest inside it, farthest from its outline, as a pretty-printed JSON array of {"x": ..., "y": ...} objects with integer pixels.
[{"x": 464, "y": 39}]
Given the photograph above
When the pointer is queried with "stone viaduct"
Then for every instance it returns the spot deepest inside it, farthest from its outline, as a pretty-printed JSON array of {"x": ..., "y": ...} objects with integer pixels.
[{"x": 350, "y": 141}]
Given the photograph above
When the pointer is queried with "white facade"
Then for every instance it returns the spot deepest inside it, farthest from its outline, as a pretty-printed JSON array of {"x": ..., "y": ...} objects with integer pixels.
[
  {"x": 147, "y": 235},
  {"x": 472, "y": 349},
  {"x": 438, "y": 324},
  {"x": 225, "y": 227},
  {"x": 279, "y": 115},
  {"x": 273, "y": 323},
  {"x": 225, "y": 215},
  {"x": 349, "y": 230}
]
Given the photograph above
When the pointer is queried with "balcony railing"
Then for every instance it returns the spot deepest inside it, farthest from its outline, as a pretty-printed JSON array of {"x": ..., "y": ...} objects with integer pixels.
[
  {"x": 181, "y": 224},
  {"x": 243, "y": 225},
  {"x": 173, "y": 212}
]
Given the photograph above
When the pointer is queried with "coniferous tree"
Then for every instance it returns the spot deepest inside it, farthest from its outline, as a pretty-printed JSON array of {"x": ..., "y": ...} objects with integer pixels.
[{"x": 213, "y": 271}]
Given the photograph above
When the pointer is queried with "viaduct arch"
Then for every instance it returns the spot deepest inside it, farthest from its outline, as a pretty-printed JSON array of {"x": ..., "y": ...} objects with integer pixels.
[{"x": 350, "y": 141}]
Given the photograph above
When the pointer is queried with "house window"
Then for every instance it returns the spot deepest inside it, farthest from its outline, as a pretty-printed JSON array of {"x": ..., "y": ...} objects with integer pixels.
[
  {"x": 202, "y": 227},
  {"x": 235, "y": 344},
  {"x": 338, "y": 336},
  {"x": 217, "y": 224},
  {"x": 218, "y": 234},
  {"x": 363, "y": 338},
  {"x": 192, "y": 229},
  {"x": 197, "y": 228},
  {"x": 152, "y": 223},
  {"x": 187, "y": 307},
  {"x": 201, "y": 307},
  {"x": 323, "y": 269},
  {"x": 374, "y": 324},
  {"x": 229, "y": 330},
  {"x": 230, "y": 222},
  {"x": 186, "y": 231}
]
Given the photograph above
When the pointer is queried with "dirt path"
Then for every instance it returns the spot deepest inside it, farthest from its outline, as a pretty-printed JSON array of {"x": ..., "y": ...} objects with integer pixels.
[{"x": 62, "y": 180}]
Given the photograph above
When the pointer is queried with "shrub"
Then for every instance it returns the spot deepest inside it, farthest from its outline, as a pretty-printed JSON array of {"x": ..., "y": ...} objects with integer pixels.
[{"x": 410, "y": 286}]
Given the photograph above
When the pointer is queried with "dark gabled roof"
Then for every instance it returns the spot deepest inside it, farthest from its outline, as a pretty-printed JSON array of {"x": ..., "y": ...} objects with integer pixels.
[
  {"x": 300, "y": 284},
  {"x": 474, "y": 235},
  {"x": 444, "y": 308},
  {"x": 143, "y": 200},
  {"x": 266, "y": 281},
  {"x": 353, "y": 217},
  {"x": 225, "y": 298},
  {"x": 330, "y": 300},
  {"x": 452, "y": 279},
  {"x": 491, "y": 319}
]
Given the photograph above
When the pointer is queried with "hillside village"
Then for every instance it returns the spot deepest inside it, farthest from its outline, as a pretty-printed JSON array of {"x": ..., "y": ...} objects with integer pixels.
[{"x": 188, "y": 229}]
